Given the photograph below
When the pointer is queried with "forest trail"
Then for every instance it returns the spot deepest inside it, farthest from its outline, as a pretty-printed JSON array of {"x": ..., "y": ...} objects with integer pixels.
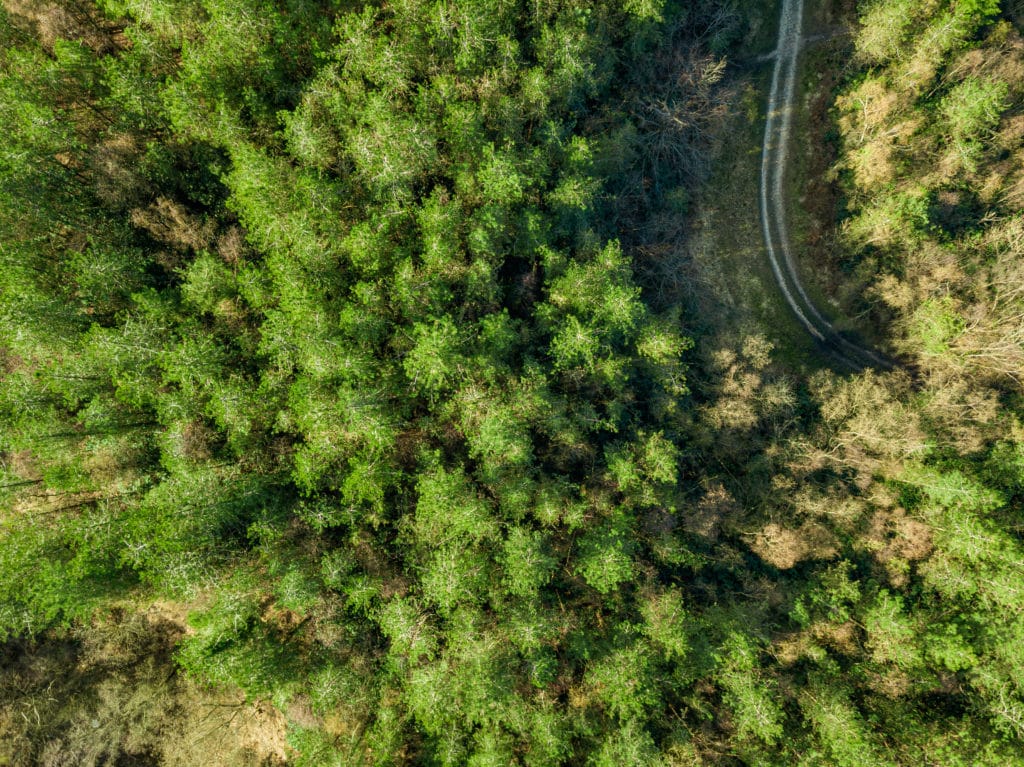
[{"x": 774, "y": 155}]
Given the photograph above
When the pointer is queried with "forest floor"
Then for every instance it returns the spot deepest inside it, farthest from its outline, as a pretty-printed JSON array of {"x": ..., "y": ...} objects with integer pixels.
[{"x": 741, "y": 290}]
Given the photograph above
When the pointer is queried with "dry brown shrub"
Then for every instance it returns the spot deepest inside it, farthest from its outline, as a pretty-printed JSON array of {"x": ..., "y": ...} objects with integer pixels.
[
  {"x": 1007, "y": 63},
  {"x": 196, "y": 441},
  {"x": 1011, "y": 133},
  {"x": 108, "y": 693},
  {"x": 872, "y": 163},
  {"x": 21, "y": 463},
  {"x": 998, "y": 179},
  {"x": 10, "y": 362},
  {"x": 893, "y": 291},
  {"x": 992, "y": 342},
  {"x": 684, "y": 754},
  {"x": 832, "y": 503},
  {"x": 232, "y": 312},
  {"x": 969, "y": 64},
  {"x": 169, "y": 222},
  {"x": 231, "y": 246},
  {"x": 68, "y": 20},
  {"x": 892, "y": 683},
  {"x": 993, "y": 184},
  {"x": 300, "y": 712},
  {"x": 171, "y": 614},
  {"x": 784, "y": 547},
  {"x": 920, "y": 68},
  {"x": 744, "y": 394},
  {"x": 867, "y": 109},
  {"x": 223, "y": 730},
  {"x": 842, "y": 637},
  {"x": 934, "y": 270},
  {"x": 50, "y": 502},
  {"x": 1013, "y": 187},
  {"x": 106, "y": 468},
  {"x": 579, "y": 696},
  {"x": 874, "y": 125},
  {"x": 113, "y": 163},
  {"x": 950, "y": 167}
]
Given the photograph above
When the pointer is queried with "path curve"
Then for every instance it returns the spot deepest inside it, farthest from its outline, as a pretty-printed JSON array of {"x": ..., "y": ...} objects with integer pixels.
[{"x": 777, "y": 130}]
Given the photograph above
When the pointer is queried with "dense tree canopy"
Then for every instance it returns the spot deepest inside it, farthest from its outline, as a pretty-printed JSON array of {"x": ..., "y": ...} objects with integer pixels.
[{"x": 334, "y": 326}]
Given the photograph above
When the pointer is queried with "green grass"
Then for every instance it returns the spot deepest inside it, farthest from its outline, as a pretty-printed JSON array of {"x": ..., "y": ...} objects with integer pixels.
[{"x": 740, "y": 296}]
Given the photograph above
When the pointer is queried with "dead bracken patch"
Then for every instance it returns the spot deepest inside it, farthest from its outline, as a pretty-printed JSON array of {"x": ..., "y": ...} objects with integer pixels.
[
  {"x": 231, "y": 246},
  {"x": 842, "y": 637},
  {"x": 892, "y": 684},
  {"x": 170, "y": 223},
  {"x": 113, "y": 163},
  {"x": 53, "y": 21},
  {"x": 22, "y": 463},
  {"x": 784, "y": 547}
]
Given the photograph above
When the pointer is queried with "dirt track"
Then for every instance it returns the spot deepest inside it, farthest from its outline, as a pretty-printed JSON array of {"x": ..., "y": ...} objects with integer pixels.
[{"x": 777, "y": 130}]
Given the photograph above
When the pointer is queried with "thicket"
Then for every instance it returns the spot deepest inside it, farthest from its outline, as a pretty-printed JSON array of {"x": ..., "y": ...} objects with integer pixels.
[
  {"x": 324, "y": 321},
  {"x": 931, "y": 131},
  {"x": 314, "y": 311}
]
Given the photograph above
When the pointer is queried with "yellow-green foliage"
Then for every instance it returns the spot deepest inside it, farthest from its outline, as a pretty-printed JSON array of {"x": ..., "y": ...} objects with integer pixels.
[{"x": 931, "y": 140}]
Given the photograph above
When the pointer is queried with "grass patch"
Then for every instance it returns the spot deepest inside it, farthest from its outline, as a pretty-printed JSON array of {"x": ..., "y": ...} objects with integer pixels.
[{"x": 738, "y": 296}]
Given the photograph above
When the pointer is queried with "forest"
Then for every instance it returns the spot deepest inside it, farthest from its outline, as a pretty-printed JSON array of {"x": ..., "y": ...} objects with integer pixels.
[{"x": 365, "y": 402}]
